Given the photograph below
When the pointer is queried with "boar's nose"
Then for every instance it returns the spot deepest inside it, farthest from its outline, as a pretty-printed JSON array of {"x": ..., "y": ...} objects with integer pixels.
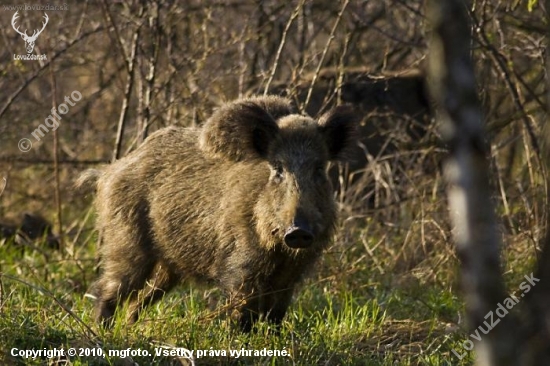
[{"x": 298, "y": 236}]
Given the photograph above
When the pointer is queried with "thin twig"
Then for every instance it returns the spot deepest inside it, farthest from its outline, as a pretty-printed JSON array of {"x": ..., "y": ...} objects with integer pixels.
[
  {"x": 128, "y": 90},
  {"x": 325, "y": 51},
  {"x": 150, "y": 78},
  {"x": 118, "y": 38},
  {"x": 500, "y": 61},
  {"x": 57, "y": 190},
  {"x": 281, "y": 45}
]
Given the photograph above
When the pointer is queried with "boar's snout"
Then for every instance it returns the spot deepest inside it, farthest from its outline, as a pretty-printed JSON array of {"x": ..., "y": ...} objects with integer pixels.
[
  {"x": 299, "y": 235},
  {"x": 296, "y": 237}
]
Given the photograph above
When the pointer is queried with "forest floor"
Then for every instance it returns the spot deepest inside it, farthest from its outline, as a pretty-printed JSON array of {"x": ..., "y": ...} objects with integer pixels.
[{"x": 372, "y": 301}]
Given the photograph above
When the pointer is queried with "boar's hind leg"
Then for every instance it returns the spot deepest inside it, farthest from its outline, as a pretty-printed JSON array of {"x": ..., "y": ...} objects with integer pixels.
[
  {"x": 118, "y": 286},
  {"x": 127, "y": 264},
  {"x": 162, "y": 281}
]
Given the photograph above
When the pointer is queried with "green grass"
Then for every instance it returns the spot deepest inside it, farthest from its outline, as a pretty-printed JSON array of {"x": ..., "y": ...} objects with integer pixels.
[
  {"x": 356, "y": 318},
  {"x": 383, "y": 295}
]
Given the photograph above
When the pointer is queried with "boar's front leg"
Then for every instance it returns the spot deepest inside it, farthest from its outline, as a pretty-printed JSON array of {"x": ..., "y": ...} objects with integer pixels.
[
  {"x": 270, "y": 305},
  {"x": 275, "y": 304},
  {"x": 248, "y": 309}
]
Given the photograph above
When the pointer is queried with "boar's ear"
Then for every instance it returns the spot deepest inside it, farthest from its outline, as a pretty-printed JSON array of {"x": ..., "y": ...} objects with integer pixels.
[
  {"x": 243, "y": 129},
  {"x": 339, "y": 128}
]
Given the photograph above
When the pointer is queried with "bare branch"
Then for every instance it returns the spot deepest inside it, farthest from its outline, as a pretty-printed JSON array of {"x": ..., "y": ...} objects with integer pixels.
[
  {"x": 325, "y": 50},
  {"x": 150, "y": 77},
  {"x": 128, "y": 90},
  {"x": 282, "y": 44},
  {"x": 57, "y": 188}
]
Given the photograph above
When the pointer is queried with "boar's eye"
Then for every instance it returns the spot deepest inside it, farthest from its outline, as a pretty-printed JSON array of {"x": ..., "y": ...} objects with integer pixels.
[{"x": 278, "y": 172}]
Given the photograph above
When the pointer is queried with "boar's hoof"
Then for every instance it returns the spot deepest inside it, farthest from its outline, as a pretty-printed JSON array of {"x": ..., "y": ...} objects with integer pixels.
[{"x": 297, "y": 237}]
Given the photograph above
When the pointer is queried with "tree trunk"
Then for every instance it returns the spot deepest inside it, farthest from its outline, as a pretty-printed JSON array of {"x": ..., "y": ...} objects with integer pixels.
[{"x": 452, "y": 83}]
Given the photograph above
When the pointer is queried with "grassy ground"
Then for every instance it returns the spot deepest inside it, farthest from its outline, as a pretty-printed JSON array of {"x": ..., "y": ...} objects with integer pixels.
[
  {"x": 353, "y": 316},
  {"x": 386, "y": 293},
  {"x": 331, "y": 322}
]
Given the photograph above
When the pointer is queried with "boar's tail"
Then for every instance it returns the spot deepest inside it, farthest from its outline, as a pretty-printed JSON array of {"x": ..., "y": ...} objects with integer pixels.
[{"x": 88, "y": 179}]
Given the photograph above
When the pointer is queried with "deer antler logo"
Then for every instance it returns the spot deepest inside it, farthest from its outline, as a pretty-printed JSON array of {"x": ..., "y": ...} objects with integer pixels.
[{"x": 29, "y": 41}]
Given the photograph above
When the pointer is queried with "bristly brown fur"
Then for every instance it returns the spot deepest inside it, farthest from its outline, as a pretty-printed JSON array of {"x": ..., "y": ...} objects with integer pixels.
[
  {"x": 216, "y": 204},
  {"x": 88, "y": 179}
]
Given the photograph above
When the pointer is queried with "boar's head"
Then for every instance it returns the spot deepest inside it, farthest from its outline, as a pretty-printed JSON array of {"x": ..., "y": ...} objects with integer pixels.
[{"x": 295, "y": 204}]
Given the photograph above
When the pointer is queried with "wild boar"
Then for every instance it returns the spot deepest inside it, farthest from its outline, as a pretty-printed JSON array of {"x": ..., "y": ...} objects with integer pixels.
[{"x": 243, "y": 202}]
